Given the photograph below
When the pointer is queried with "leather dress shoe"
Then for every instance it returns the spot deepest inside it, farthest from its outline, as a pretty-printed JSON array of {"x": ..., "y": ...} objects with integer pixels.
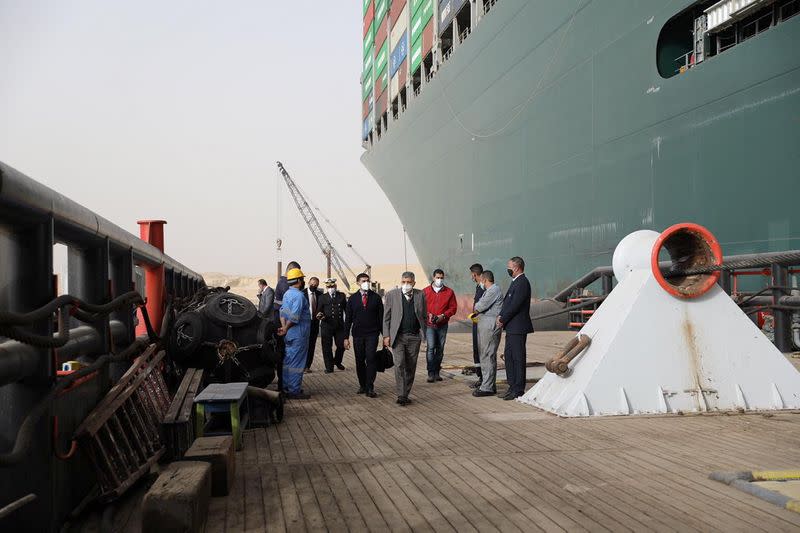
[
  {"x": 340, "y": 367},
  {"x": 430, "y": 378},
  {"x": 328, "y": 371},
  {"x": 478, "y": 393},
  {"x": 372, "y": 394},
  {"x": 361, "y": 390}
]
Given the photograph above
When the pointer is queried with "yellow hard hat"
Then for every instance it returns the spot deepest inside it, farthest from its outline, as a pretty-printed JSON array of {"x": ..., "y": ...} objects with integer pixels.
[{"x": 294, "y": 273}]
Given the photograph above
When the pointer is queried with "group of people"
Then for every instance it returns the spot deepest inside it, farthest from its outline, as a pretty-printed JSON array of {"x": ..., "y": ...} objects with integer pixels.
[{"x": 402, "y": 319}]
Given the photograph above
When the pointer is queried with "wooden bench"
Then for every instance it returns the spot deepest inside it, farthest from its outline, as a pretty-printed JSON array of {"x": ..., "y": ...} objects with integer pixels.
[
  {"x": 222, "y": 409},
  {"x": 177, "y": 429}
]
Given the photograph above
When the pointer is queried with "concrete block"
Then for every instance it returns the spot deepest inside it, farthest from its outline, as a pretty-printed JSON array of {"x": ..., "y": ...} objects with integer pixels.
[
  {"x": 219, "y": 452},
  {"x": 178, "y": 500}
]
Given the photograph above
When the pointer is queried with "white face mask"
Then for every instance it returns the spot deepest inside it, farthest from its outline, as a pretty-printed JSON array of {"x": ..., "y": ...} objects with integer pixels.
[
  {"x": 483, "y": 285},
  {"x": 365, "y": 286},
  {"x": 331, "y": 291},
  {"x": 406, "y": 288},
  {"x": 438, "y": 282}
]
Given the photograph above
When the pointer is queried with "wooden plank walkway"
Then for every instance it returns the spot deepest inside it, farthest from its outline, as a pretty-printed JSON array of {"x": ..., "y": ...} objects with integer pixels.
[{"x": 451, "y": 462}]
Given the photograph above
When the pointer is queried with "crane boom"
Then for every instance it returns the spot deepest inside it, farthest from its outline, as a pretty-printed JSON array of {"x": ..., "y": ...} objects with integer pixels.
[
  {"x": 367, "y": 266},
  {"x": 314, "y": 226}
]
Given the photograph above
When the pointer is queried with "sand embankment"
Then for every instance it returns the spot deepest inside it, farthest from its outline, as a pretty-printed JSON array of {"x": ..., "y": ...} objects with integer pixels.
[{"x": 247, "y": 285}]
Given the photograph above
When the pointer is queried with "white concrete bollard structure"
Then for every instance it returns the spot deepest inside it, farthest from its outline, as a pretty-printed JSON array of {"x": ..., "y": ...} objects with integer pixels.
[{"x": 664, "y": 345}]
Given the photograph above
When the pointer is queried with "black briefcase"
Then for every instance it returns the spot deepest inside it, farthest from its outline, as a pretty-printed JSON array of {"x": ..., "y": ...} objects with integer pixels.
[{"x": 384, "y": 360}]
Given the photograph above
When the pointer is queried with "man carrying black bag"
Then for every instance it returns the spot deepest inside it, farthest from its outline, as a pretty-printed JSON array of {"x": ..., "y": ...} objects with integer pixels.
[{"x": 404, "y": 319}]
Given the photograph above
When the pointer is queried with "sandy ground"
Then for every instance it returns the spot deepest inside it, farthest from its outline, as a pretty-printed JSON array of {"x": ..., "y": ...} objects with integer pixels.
[{"x": 247, "y": 285}]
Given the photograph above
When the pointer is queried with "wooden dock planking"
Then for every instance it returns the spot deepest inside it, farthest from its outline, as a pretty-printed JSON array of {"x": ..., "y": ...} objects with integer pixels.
[{"x": 451, "y": 462}]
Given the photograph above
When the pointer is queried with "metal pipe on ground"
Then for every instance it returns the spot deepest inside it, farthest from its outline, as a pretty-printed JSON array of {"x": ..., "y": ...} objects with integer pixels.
[{"x": 19, "y": 361}]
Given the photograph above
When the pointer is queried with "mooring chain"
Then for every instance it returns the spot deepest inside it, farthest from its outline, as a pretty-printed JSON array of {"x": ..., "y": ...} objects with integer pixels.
[{"x": 231, "y": 302}]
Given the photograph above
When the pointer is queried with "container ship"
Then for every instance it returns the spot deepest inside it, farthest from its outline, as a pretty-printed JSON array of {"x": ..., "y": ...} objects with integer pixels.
[{"x": 550, "y": 129}]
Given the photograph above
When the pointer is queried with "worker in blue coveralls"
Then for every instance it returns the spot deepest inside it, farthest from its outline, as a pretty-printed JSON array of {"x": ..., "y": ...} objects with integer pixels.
[{"x": 295, "y": 327}]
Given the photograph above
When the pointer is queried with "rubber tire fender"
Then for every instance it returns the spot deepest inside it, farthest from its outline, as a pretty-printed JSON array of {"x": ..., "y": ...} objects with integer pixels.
[
  {"x": 187, "y": 336},
  {"x": 230, "y": 309}
]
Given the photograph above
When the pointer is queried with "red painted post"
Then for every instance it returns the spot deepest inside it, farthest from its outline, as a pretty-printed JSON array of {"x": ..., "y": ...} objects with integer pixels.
[{"x": 152, "y": 231}]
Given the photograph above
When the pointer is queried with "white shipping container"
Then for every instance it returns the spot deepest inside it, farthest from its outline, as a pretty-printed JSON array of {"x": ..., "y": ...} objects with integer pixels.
[{"x": 400, "y": 27}]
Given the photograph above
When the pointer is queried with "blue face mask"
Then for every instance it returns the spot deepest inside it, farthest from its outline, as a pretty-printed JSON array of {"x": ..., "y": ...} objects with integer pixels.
[{"x": 482, "y": 285}]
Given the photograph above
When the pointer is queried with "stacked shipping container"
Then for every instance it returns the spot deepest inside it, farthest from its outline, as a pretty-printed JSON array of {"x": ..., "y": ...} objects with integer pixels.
[
  {"x": 421, "y": 32},
  {"x": 399, "y": 43},
  {"x": 381, "y": 57},
  {"x": 398, "y": 36},
  {"x": 368, "y": 74}
]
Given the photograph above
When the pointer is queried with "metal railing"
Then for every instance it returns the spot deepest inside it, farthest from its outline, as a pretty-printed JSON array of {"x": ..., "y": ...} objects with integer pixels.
[
  {"x": 776, "y": 298},
  {"x": 95, "y": 321},
  {"x": 488, "y": 5}
]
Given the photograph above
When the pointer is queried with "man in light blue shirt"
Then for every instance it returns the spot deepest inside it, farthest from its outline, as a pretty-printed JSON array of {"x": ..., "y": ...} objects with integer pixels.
[{"x": 295, "y": 327}]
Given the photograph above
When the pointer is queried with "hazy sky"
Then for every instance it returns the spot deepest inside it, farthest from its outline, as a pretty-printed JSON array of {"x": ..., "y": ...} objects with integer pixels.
[{"x": 179, "y": 110}]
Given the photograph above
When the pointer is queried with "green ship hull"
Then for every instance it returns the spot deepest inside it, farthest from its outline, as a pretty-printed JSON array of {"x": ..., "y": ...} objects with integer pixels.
[{"x": 550, "y": 134}]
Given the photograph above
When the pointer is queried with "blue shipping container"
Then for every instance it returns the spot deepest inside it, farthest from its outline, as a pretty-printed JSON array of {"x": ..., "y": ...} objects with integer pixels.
[{"x": 398, "y": 54}]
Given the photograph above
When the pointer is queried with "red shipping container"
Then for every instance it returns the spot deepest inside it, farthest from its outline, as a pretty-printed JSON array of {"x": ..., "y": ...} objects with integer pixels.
[
  {"x": 395, "y": 10},
  {"x": 381, "y": 103},
  {"x": 402, "y": 75},
  {"x": 368, "y": 18},
  {"x": 380, "y": 34},
  {"x": 427, "y": 39}
]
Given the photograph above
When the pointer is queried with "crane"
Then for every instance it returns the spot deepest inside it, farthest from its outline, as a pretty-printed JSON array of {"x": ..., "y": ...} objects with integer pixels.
[
  {"x": 334, "y": 259},
  {"x": 367, "y": 266}
]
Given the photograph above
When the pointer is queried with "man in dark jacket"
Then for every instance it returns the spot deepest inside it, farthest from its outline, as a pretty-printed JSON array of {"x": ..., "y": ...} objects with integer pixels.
[
  {"x": 330, "y": 313},
  {"x": 364, "y": 319},
  {"x": 515, "y": 319},
  {"x": 475, "y": 271},
  {"x": 266, "y": 297},
  {"x": 282, "y": 286},
  {"x": 312, "y": 294}
]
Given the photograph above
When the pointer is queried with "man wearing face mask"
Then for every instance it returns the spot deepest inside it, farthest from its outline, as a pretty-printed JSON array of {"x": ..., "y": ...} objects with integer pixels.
[
  {"x": 330, "y": 314},
  {"x": 475, "y": 272},
  {"x": 404, "y": 319},
  {"x": 312, "y": 294},
  {"x": 486, "y": 310},
  {"x": 441, "y": 301},
  {"x": 295, "y": 325},
  {"x": 515, "y": 319},
  {"x": 364, "y": 319}
]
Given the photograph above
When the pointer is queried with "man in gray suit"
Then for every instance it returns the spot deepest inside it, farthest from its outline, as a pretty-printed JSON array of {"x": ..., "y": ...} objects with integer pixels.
[
  {"x": 487, "y": 309},
  {"x": 404, "y": 316},
  {"x": 266, "y": 296}
]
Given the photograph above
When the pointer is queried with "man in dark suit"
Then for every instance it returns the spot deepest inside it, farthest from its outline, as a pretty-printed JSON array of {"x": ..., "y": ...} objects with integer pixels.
[
  {"x": 312, "y": 294},
  {"x": 330, "y": 313},
  {"x": 364, "y": 319},
  {"x": 515, "y": 319}
]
